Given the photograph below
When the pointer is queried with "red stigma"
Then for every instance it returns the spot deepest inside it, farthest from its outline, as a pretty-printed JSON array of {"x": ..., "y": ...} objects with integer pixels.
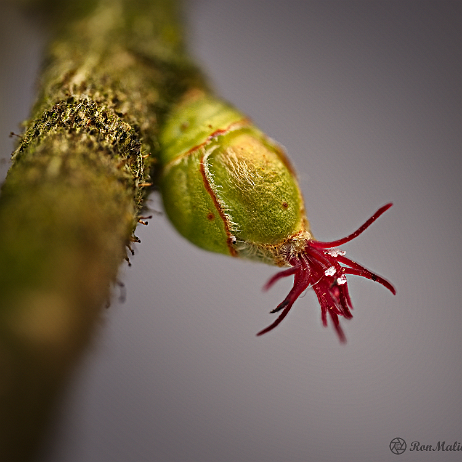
[{"x": 324, "y": 267}]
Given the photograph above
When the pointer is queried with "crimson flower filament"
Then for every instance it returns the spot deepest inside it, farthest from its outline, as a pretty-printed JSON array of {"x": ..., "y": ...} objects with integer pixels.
[{"x": 324, "y": 267}]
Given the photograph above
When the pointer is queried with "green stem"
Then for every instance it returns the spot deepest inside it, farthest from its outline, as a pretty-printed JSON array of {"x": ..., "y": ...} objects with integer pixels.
[{"x": 73, "y": 196}]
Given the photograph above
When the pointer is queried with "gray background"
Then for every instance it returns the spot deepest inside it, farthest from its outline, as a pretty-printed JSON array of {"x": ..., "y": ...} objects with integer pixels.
[{"x": 366, "y": 97}]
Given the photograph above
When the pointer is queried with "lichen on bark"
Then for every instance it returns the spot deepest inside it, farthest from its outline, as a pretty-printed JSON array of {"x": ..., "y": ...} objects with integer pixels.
[{"x": 72, "y": 198}]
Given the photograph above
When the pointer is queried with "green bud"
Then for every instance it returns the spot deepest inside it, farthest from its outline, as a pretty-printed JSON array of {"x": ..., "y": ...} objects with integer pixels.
[
  {"x": 226, "y": 186},
  {"x": 229, "y": 189}
]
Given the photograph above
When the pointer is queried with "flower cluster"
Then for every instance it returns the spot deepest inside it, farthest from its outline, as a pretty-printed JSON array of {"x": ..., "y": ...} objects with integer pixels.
[{"x": 324, "y": 267}]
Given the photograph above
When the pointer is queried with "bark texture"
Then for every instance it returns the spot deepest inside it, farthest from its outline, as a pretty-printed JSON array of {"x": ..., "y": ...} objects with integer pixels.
[{"x": 75, "y": 191}]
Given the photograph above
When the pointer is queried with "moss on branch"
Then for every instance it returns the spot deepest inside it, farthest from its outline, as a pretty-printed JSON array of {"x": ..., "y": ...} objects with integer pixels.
[{"x": 74, "y": 193}]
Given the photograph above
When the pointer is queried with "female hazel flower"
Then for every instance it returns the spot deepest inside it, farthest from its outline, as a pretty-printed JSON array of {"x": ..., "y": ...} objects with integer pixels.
[{"x": 230, "y": 189}]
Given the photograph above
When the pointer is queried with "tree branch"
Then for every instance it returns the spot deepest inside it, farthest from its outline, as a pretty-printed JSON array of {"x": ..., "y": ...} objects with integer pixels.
[{"x": 73, "y": 196}]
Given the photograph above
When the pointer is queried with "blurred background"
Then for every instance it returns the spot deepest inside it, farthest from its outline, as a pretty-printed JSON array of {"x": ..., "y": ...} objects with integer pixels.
[{"x": 366, "y": 97}]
